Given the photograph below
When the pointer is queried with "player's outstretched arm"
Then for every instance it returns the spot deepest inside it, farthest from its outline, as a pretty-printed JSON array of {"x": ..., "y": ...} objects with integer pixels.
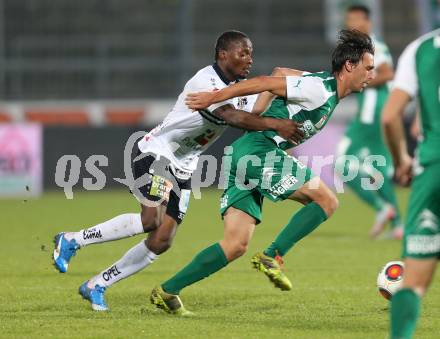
[
  {"x": 394, "y": 135},
  {"x": 286, "y": 128},
  {"x": 275, "y": 85},
  {"x": 265, "y": 98}
]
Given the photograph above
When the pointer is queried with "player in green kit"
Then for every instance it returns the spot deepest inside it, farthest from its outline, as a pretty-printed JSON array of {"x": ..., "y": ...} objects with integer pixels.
[
  {"x": 261, "y": 168},
  {"x": 363, "y": 136},
  {"x": 417, "y": 76}
]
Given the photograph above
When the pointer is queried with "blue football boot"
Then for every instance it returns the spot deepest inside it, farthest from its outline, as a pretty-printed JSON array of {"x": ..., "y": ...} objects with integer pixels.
[
  {"x": 63, "y": 252},
  {"x": 95, "y": 295}
]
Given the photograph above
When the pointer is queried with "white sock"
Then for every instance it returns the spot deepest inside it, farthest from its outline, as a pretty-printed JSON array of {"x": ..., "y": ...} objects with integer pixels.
[
  {"x": 122, "y": 226},
  {"x": 136, "y": 259}
]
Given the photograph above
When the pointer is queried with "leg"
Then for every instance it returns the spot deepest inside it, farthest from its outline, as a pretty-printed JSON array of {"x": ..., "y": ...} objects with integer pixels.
[
  {"x": 346, "y": 147},
  {"x": 139, "y": 256},
  {"x": 371, "y": 198},
  {"x": 122, "y": 226},
  {"x": 239, "y": 227},
  {"x": 421, "y": 250},
  {"x": 160, "y": 239},
  {"x": 388, "y": 194},
  {"x": 167, "y": 217},
  {"x": 133, "y": 261},
  {"x": 238, "y": 230},
  {"x": 405, "y": 304},
  {"x": 320, "y": 203}
]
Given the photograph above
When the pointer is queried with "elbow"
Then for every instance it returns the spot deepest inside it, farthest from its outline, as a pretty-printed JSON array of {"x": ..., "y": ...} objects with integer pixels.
[
  {"x": 386, "y": 120},
  {"x": 234, "y": 118},
  {"x": 277, "y": 71}
]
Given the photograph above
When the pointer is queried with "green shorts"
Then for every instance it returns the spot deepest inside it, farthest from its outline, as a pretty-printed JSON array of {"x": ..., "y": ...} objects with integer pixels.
[
  {"x": 422, "y": 229},
  {"x": 259, "y": 168}
]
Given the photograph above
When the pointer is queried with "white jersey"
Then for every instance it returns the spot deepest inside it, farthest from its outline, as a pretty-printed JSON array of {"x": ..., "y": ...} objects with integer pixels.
[{"x": 184, "y": 134}]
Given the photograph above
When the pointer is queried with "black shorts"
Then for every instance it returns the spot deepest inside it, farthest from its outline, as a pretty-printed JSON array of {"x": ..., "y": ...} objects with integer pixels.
[{"x": 160, "y": 186}]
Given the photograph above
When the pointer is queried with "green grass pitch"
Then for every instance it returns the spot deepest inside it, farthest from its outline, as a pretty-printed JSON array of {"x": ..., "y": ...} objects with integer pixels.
[{"x": 333, "y": 273}]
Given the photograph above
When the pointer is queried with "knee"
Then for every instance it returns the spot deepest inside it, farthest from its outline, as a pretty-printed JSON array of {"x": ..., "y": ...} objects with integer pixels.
[
  {"x": 159, "y": 245},
  {"x": 235, "y": 249},
  {"x": 419, "y": 286},
  {"x": 148, "y": 222},
  {"x": 163, "y": 244},
  {"x": 329, "y": 203},
  {"x": 333, "y": 204}
]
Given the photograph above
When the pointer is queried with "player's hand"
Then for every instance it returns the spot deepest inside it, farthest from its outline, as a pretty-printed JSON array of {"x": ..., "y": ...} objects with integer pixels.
[
  {"x": 199, "y": 100},
  {"x": 404, "y": 171},
  {"x": 290, "y": 130}
]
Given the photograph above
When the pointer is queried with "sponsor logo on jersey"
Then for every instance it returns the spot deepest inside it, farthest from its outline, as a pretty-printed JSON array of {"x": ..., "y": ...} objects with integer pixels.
[
  {"x": 321, "y": 122},
  {"x": 224, "y": 201},
  {"x": 427, "y": 221},
  {"x": 110, "y": 273},
  {"x": 189, "y": 143},
  {"x": 205, "y": 137},
  {"x": 92, "y": 233},
  {"x": 267, "y": 173},
  {"x": 423, "y": 244},
  {"x": 281, "y": 187},
  {"x": 429, "y": 242},
  {"x": 309, "y": 129},
  {"x": 242, "y": 103},
  {"x": 161, "y": 187}
]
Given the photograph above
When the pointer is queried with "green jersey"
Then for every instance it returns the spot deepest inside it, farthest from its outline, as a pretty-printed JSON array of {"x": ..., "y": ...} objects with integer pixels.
[
  {"x": 310, "y": 99},
  {"x": 366, "y": 125},
  {"x": 418, "y": 74}
]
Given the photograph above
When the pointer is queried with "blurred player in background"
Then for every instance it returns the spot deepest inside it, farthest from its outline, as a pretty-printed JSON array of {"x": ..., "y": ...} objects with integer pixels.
[
  {"x": 167, "y": 157},
  {"x": 363, "y": 136},
  {"x": 308, "y": 99},
  {"x": 417, "y": 77}
]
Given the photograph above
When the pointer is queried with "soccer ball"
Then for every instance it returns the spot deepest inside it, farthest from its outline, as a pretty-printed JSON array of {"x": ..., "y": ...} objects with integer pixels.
[{"x": 389, "y": 279}]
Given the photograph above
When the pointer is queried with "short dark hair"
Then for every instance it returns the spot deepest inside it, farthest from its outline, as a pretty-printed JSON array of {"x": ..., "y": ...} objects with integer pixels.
[
  {"x": 360, "y": 8},
  {"x": 351, "y": 46},
  {"x": 226, "y": 38}
]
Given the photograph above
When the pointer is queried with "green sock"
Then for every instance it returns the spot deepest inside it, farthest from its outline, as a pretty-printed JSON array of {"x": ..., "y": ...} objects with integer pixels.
[
  {"x": 205, "y": 263},
  {"x": 405, "y": 305},
  {"x": 372, "y": 198},
  {"x": 302, "y": 223}
]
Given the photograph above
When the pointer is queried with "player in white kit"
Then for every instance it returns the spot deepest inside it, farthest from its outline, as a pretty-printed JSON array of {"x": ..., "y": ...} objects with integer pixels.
[{"x": 166, "y": 158}]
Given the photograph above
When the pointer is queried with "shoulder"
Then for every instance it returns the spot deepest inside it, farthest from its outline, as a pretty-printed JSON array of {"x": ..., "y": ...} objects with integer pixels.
[
  {"x": 205, "y": 79},
  {"x": 203, "y": 74},
  {"x": 311, "y": 90},
  {"x": 321, "y": 82},
  {"x": 411, "y": 50}
]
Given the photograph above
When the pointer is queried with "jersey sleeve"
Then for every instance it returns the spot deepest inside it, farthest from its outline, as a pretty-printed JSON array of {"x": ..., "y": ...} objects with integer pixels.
[
  {"x": 203, "y": 82},
  {"x": 308, "y": 92},
  {"x": 250, "y": 102},
  {"x": 406, "y": 76}
]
